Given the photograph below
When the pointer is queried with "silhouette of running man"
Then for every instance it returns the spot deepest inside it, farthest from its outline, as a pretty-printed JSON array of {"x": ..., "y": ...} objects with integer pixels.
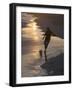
[{"x": 47, "y": 38}]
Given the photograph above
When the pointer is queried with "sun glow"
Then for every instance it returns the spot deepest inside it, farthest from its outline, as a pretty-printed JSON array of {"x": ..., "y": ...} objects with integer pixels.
[
  {"x": 35, "y": 31},
  {"x": 32, "y": 31},
  {"x": 34, "y": 26}
]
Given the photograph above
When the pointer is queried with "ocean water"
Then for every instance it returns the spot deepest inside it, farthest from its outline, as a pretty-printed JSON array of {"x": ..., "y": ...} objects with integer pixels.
[{"x": 31, "y": 60}]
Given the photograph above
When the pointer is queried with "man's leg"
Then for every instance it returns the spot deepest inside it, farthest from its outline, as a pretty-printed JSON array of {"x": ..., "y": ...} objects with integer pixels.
[{"x": 45, "y": 55}]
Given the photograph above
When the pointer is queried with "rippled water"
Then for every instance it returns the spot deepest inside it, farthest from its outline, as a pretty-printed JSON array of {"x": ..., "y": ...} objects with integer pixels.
[{"x": 31, "y": 59}]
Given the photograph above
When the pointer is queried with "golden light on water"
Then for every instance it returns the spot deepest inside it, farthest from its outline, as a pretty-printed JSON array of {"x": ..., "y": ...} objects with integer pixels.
[
  {"x": 32, "y": 31},
  {"x": 35, "y": 32},
  {"x": 34, "y": 26}
]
